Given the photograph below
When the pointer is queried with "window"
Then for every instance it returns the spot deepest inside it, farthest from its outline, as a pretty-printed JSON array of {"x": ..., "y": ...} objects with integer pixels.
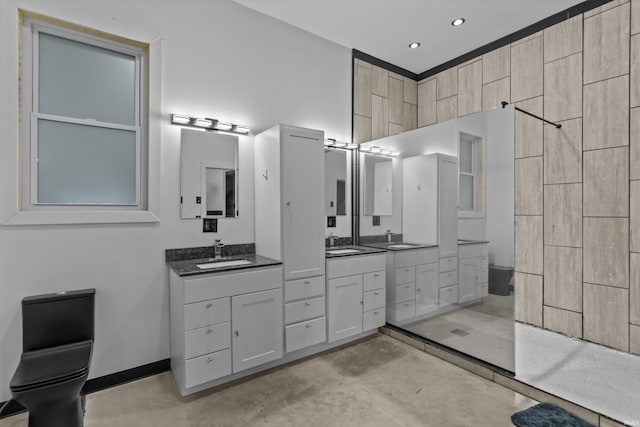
[
  {"x": 84, "y": 128},
  {"x": 469, "y": 173}
]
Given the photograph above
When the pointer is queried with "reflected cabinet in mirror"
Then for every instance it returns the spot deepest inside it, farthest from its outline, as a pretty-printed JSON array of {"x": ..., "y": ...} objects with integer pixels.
[
  {"x": 378, "y": 184},
  {"x": 337, "y": 172},
  {"x": 209, "y": 175}
]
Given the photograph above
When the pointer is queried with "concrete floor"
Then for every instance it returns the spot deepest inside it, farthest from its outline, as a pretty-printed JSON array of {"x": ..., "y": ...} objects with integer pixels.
[{"x": 377, "y": 382}]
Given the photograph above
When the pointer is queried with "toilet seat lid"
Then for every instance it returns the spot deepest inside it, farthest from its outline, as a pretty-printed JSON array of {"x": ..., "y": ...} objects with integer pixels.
[{"x": 52, "y": 365}]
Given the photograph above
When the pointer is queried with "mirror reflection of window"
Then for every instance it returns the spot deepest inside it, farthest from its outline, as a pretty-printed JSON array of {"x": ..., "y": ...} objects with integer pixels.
[
  {"x": 378, "y": 181},
  {"x": 469, "y": 173},
  {"x": 335, "y": 167}
]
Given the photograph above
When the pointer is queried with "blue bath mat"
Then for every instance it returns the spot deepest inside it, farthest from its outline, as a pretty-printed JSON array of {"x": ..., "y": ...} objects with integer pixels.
[{"x": 547, "y": 415}]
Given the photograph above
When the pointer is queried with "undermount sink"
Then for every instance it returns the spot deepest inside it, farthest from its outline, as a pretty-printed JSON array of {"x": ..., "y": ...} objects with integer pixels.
[
  {"x": 219, "y": 264},
  {"x": 401, "y": 246},
  {"x": 342, "y": 251}
]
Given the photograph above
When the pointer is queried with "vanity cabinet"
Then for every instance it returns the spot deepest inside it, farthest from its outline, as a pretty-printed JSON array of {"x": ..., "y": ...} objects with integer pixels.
[
  {"x": 223, "y": 323},
  {"x": 412, "y": 284},
  {"x": 356, "y": 295},
  {"x": 473, "y": 271},
  {"x": 289, "y": 225}
]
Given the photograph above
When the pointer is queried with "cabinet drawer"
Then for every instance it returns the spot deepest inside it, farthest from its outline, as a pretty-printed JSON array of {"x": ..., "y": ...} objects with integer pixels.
[
  {"x": 416, "y": 257},
  {"x": 303, "y": 310},
  {"x": 306, "y": 334},
  {"x": 374, "y": 299},
  {"x": 483, "y": 276},
  {"x": 448, "y": 264},
  {"x": 402, "y": 293},
  {"x": 448, "y": 295},
  {"x": 375, "y": 280},
  {"x": 405, "y": 275},
  {"x": 359, "y": 264},
  {"x": 206, "y": 368},
  {"x": 207, "y": 340},
  {"x": 449, "y": 278},
  {"x": 373, "y": 319},
  {"x": 304, "y": 288},
  {"x": 212, "y": 312},
  {"x": 483, "y": 290},
  {"x": 470, "y": 251},
  {"x": 405, "y": 310},
  {"x": 218, "y": 285}
]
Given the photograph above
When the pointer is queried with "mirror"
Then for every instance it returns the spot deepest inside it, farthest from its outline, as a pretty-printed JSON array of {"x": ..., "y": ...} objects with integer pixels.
[
  {"x": 208, "y": 175},
  {"x": 337, "y": 172},
  {"x": 378, "y": 182}
]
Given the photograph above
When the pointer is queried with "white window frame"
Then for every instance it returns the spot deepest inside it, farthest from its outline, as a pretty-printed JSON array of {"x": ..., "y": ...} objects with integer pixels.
[
  {"x": 472, "y": 174},
  {"x": 475, "y": 146},
  {"x": 147, "y": 106}
]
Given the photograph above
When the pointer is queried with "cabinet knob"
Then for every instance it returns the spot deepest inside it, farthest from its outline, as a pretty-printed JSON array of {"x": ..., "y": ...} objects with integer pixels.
[
  {"x": 209, "y": 331},
  {"x": 361, "y": 302},
  {"x": 375, "y": 312},
  {"x": 307, "y": 282},
  {"x": 417, "y": 289},
  {"x": 376, "y": 275},
  {"x": 376, "y": 293},
  {"x": 209, "y": 305},
  {"x": 406, "y": 304},
  {"x": 209, "y": 359},
  {"x": 307, "y": 304},
  {"x": 237, "y": 334},
  {"x": 406, "y": 286},
  {"x": 407, "y": 269},
  {"x": 308, "y": 325}
]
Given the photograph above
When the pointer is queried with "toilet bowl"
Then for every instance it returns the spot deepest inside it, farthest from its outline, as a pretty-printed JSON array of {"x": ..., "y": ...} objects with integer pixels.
[{"x": 54, "y": 366}]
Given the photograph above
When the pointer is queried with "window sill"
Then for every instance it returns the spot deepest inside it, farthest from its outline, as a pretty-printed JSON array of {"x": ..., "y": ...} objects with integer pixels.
[{"x": 67, "y": 217}]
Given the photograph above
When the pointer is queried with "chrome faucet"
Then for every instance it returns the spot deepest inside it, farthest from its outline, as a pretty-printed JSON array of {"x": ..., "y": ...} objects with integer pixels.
[
  {"x": 389, "y": 234},
  {"x": 217, "y": 249},
  {"x": 332, "y": 239}
]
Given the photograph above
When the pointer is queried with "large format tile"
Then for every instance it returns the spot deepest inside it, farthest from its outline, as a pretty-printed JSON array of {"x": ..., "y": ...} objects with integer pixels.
[
  {"x": 410, "y": 116},
  {"x": 395, "y": 129},
  {"x": 634, "y": 142},
  {"x": 563, "y": 215},
  {"x": 496, "y": 64},
  {"x": 470, "y": 88},
  {"x": 606, "y": 251},
  {"x": 396, "y": 101},
  {"x": 528, "y": 186},
  {"x": 635, "y": 70},
  {"x": 528, "y": 299},
  {"x": 606, "y": 114},
  {"x": 427, "y": 103},
  {"x": 447, "y": 109},
  {"x": 606, "y": 182},
  {"x": 606, "y": 316},
  {"x": 362, "y": 88},
  {"x": 526, "y": 69},
  {"x": 410, "y": 91},
  {"x": 562, "y": 321},
  {"x": 634, "y": 215},
  {"x": 380, "y": 81},
  {"x": 563, "y": 277},
  {"x": 563, "y": 88},
  {"x": 379, "y": 117},
  {"x": 563, "y": 153},
  {"x": 447, "y": 82},
  {"x": 361, "y": 129},
  {"x": 635, "y": 16},
  {"x": 634, "y": 288},
  {"x": 634, "y": 339},
  {"x": 563, "y": 39},
  {"x": 606, "y": 44},
  {"x": 529, "y": 244},
  {"x": 608, "y": 5},
  {"x": 495, "y": 92},
  {"x": 528, "y": 130}
]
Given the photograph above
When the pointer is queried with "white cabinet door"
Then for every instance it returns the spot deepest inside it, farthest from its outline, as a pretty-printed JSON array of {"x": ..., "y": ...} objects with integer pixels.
[
  {"x": 426, "y": 288},
  {"x": 447, "y": 207},
  {"x": 345, "y": 307},
  {"x": 467, "y": 279},
  {"x": 303, "y": 203},
  {"x": 256, "y": 320}
]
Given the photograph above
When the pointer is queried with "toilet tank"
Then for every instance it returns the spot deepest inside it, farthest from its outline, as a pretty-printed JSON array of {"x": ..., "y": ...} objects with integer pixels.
[{"x": 50, "y": 320}]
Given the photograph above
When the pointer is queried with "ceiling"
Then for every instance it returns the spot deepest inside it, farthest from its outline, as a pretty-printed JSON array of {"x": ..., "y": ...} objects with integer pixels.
[{"x": 384, "y": 28}]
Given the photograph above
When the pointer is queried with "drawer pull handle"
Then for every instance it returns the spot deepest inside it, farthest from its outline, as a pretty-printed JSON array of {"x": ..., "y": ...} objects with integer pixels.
[
  {"x": 237, "y": 334},
  {"x": 376, "y": 313},
  {"x": 376, "y": 293},
  {"x": 307, "y": 282},
  {"x": 417, "y": 289},
  {"x": 307, "y": 304},
  {"x": 209, "y": 331},
  {"x": 209, "y": 305},
  {"x": 406, "y": 304},
  {"x": 209, "y": 359},
  {"x": 361, "y": 302},
  {"x": 376, "y": 275},
  {"x": 308, "y": 325},
  {"x": 406, "y": 286},
  {"x": 407, "y": 269}
]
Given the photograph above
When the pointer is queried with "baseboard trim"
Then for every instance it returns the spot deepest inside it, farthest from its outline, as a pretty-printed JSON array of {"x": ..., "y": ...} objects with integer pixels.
[{"x": 101, "y": 383}]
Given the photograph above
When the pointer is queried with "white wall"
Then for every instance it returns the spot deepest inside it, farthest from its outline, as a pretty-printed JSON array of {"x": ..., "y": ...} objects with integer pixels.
[{"x": 219, "y": 59}]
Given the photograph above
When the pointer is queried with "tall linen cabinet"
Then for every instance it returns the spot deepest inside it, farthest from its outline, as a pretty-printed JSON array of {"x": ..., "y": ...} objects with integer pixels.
[{"x": 289, "y": 225}]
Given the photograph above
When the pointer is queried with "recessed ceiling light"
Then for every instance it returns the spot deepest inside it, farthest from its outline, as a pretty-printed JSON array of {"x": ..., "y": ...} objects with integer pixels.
[
  {"x": 457, "y": 22},
  {"x": 414, "y": 45}
]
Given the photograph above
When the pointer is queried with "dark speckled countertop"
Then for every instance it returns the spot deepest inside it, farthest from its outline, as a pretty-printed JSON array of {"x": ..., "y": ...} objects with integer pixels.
[
  {"x": 389, "y": 246},
  {"x": 471, "y": 242},
  {"x": 362, "y": 250},
  {"x": 189, "y": 267}
]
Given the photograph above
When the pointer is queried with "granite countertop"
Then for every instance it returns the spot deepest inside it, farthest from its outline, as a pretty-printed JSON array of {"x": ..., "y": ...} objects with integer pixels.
[
  {"x": 393, "y": 246},
  {"x": 471, "y": 242},
  {"x": 189, "y": 268},
  {"x": 362, "y": 250}
]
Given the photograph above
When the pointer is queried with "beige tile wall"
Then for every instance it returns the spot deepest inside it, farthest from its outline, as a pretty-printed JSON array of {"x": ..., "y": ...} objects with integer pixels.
[{"x": 578, "y": 187}]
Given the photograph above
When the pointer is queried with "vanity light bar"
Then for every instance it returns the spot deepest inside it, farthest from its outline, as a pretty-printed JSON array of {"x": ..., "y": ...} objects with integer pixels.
[
  {"x": 209, "y": 124},
  {"x": 377, "y": 150},
  {"x": 332, "y": 142}
]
